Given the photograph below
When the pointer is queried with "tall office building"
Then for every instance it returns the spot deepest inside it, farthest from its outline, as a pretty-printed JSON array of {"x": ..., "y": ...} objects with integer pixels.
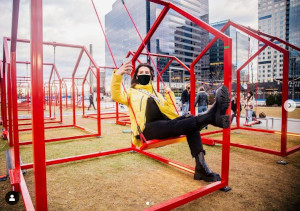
[
  {"x": 294, "y": 38},
  {"x": 175, "y": 36},
  {"x": 277, "y": 18},
  {"x": 239, "y": 54}
]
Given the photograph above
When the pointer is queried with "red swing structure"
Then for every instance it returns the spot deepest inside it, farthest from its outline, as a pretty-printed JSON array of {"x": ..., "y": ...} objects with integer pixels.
[
  {"x": 39, "y": 162},
  {"x": 284, "y": 118}
]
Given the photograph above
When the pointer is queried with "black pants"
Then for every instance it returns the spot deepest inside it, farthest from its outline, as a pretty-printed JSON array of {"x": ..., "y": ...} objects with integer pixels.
[
  {"x": 91, "y": 104},
  {"x": 183, "y": 125}
]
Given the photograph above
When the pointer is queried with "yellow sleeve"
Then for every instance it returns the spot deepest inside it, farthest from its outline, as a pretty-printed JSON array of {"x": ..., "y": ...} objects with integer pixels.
[{"x": 117, "y": 94}]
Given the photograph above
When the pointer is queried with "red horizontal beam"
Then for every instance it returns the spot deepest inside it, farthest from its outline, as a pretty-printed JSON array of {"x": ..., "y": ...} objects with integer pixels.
[
  {"x": 168, "y": 161},
  {"x": 25, "y": 193},
  {"x": 62, "y": 139},
  {"x": 78, "y": 157},
  {"x": 24, "y": 124},
  {"x": 188, "y": 197},
  {"x": 293, "y": 149},
  {"x": 52, "y": 127},
  {"x": 50, "y": 43}
]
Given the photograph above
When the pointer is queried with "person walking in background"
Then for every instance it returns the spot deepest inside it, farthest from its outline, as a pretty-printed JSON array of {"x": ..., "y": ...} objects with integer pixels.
[
  {"x": 185, "y": 100},
  {"x": 234, "y": 107},
  {"x": 91, "y": 99},
  {"x": 79, "y": 100},
  {"x": 202, "y": 101},
  {"x": 249, "y": 107}
]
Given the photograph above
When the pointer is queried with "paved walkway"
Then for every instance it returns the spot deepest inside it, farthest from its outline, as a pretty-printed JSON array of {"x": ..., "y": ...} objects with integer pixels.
[{"x": 274, "y": 123}]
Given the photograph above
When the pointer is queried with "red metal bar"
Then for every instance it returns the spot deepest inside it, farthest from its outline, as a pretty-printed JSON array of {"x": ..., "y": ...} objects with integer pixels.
[
  {"x": 98, "y": 103},
  {"x": 252, "y": 57},
  {"x": 107, "y": 43},
  {"x": 168, "y": 56},
  {"x": 73, "y": 85},
  {"x": 252, "y": 34},
  {"x": 285, "y": 91},
  {"x": 162, "y": 72},
  {"x": 3, "y": 99},
  {"x": 61, "y": 139},
  {"x": 49, "y": 43},
  {"x": 24, "y": 124},
  {"x": 254, "y": 148},
  {"x": 168, "y": 161},
  {"x": 50, "y": 127},
  {"x": 14, "y": 97},
  {"x": 150, "y": 33},
  {"x": 25, "y": 194},
  {"x": 292, "y": 150},
  {"x": 226, "y": 132},
  {"x": 79, "y": 157},
  {"x": 40, "y": 182},
  {"x": 9, "y": 105},
  {"x": 238, "y": 99},
  {"x": 275, "y": 38},
  {"x": 188, "y": 197}
]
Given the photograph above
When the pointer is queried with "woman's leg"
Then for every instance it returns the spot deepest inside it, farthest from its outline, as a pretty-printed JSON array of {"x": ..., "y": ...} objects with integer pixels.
[
  {"x": 249, "y": 115},
  {"x": 163, "y": 129}
]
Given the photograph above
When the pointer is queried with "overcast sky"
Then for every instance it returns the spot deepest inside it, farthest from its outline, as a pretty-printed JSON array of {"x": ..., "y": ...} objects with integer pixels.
[{"x": 75, "y": 22}]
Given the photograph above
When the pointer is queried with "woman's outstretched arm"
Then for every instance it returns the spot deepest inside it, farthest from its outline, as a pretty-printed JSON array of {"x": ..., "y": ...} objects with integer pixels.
[{"x": 117, "y": 94}]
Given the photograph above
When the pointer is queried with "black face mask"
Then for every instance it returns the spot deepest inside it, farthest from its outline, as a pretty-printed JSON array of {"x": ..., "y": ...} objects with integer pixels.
[{"x": 143, "y": 79}]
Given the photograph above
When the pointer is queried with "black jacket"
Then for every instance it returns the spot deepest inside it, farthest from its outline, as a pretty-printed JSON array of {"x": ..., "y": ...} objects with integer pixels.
[
  {"x": 185, "y": 96},
  {"x": 234, "y": 107},
  {"x": 91, "y": 98},
  {"x": 201, "y": 99}
]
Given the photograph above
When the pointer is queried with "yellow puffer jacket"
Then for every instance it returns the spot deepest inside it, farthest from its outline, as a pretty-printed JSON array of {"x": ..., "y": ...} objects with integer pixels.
[{"x": 138, "y": 101}]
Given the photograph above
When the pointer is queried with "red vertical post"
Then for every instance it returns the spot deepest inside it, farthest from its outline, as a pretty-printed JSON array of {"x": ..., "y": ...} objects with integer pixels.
[
  {"x": 38, "y": 136},
  {"x": 117, "y": 112},
  {"x": 49, "y": 98},
  {"x": 3, "y": 100},
  {"x": 157, "y": 84},
  {"x": 82, "y": 97},
  {"x": 66, "y": 95},
  {"x": 9, "y": 105},
  {"x": 13, "y": 94},
  {"x": 98, "y": 102},
  {"x": 193, "y": 91},
  {"x": 285, "y": 91},
  {"x": 60, "y": 101},
  {"x": 73, "y": 100},
  {"x": 238, "y": 99},
  {"x": 226, "y": 132},
  {"x": 77, "y": 94},
  {"x": 44, "y": 91}
]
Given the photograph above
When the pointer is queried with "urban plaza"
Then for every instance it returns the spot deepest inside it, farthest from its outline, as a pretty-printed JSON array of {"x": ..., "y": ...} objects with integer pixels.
[{"x": 150, "y": 105}]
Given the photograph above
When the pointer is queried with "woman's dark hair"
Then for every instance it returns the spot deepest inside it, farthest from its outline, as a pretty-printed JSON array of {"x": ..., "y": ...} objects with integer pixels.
[
  {"x": 251, "y": 95},
  {"x": 134, "y": 81}
]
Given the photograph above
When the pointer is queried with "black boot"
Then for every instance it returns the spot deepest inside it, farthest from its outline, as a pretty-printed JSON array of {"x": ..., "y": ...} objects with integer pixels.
[
  {"x": 203, "y": 172},
  {"x": 216, "y": 114}
]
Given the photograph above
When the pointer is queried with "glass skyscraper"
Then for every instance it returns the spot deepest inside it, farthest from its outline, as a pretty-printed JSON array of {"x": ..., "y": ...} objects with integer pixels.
[
  {"x": 294, "y": 37},
  {"x": 175, "y": 36},
  {"x": 279, "y": 18}
]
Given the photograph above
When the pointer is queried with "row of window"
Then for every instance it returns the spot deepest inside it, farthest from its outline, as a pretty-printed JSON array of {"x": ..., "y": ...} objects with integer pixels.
[
  {"x": 269, "y": 75},
  {"x": 269, "y": 57},
  {"x": 269, "y": 71}
]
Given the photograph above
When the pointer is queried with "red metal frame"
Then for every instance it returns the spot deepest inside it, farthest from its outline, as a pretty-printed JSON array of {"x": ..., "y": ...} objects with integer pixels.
[
  {"x": 283, "y": 133},
  {"x": 39, "y": 162}
]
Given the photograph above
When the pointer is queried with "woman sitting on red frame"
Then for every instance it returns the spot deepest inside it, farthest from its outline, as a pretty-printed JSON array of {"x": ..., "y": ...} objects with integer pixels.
[{"x": 156, "y": 117}]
